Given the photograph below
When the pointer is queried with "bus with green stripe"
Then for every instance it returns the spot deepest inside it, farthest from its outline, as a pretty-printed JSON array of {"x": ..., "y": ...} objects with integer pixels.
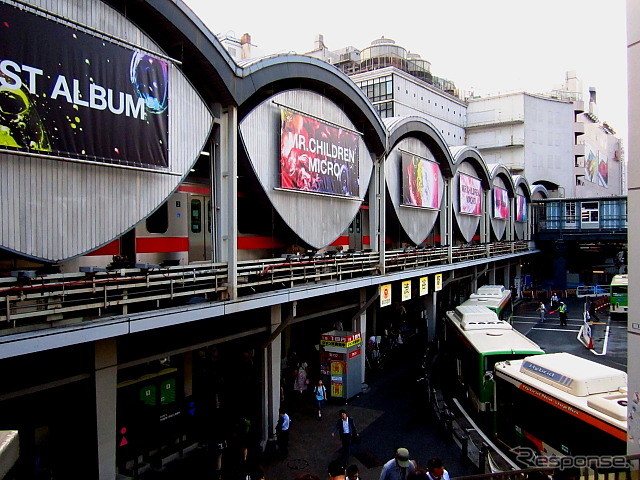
[
  {"x": 618, "y": 296},
  {"x": 494, "y": 297},
  {"x": 475, "y": 339}
]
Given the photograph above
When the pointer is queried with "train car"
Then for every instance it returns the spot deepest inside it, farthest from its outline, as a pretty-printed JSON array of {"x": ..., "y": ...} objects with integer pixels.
[
  {"x": 477, "y": 339},
  {"x": 559, "y": 404}
]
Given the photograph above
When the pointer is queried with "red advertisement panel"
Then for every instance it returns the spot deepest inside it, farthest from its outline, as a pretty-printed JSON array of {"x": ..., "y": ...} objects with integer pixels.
[{"x": 317, "y": 157}]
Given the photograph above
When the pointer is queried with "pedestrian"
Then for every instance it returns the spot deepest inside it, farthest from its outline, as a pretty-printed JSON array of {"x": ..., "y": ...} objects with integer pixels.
[
  {"x": 398, "y": 467},
  {"x": 562, "y": 311},
  {"x": 320, "y": 392},
  {"x": 436, "y": 470},
  {"x": 554, "y": 301},
  {"x": 541, "y": 308},
  {"x": 300, "y": 382},
  {"x": 337, "y": 470},
  {"x": 219, "y": 446},
  {"x": 352, "y": 472},
  {"x": 282, "y": 431},
  {"x": 346, "y": 427}
]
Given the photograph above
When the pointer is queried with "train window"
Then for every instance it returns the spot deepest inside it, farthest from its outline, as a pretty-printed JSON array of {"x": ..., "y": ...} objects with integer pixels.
[
  {"x": 158, "y": 221},
  {"x": 196, "y": 216}
]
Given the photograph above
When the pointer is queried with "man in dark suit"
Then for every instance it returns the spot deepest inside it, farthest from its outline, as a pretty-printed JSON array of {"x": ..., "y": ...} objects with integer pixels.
[{"x": 346, "y": 427}]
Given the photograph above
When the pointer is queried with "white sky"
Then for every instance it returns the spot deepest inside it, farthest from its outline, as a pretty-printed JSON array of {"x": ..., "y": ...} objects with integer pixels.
[{"x": 485, "y": 46}]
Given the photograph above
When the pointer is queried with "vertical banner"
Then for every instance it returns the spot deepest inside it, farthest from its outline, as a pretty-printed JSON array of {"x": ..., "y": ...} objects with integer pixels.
[
  {"x": 80, "y": 96},
  {"x": 406, "y": 290},
  {"x": 318, "y": 157},
  {"x": 500, "y": 203},
  {"x": 424, "y": 285},
  {"x": 420, "y": 182},
  {"x": 437, "y": 282},
  {"x": 521, "y": 208},
  {"x": 590, "y": 163},
  {"x": 603, "y": 169},
  {"x": 470, "y": 194},
  {"x": 385, "y": 295}
]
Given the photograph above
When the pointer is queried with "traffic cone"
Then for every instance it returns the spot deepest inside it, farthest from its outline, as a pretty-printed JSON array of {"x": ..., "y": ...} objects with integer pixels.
[{"x": 590, "y": 346}]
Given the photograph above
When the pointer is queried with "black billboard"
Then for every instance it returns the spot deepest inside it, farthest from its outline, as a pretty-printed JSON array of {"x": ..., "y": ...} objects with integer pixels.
[{"x": 68, "y": 93}]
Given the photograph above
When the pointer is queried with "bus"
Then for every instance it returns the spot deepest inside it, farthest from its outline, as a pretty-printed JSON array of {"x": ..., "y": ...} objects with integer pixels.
[
  {"x": 618, "y": 298},
  {"x": 561, "y": 404},
  {"x": 494, "y": 297},
  {"x": 476, "y": 339}
]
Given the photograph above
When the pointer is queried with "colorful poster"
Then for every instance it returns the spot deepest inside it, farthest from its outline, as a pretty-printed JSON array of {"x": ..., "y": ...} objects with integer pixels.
[
  {"x": 318, "y": 157},
  {"x": 470, "y": 194},
  {"x": 79, "y": 96},
  {"x": 500, "y": 203},
  {"x": 521, "y": 208},
  {"x": 420, "y": 182},
  {"x": 603, "y": 170},
  {"x": 590, "y": 163}
]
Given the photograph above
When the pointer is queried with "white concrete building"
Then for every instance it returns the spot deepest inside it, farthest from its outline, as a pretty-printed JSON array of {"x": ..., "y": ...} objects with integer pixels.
[
  {"x": 530, "y": 134},
  {"x": 400, "y": 84}
]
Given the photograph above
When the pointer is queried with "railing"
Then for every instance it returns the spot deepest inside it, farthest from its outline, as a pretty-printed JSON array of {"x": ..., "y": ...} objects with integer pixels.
[{"x": 33, "y": 302}]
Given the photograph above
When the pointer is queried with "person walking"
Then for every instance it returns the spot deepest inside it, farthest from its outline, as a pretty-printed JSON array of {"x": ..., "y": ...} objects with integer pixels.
[
  {"x": 352, "y": 472},
  {"x": 554, "y": 301},
  {"x": 282, "y": 431},
  {"x": 346, "y": 428},
  {"x": 542, "y": 309},
  {"x": 562, "y": 311},
  {"x": 436, "y": 470},
  {"x": 399, "y": 467},
  {"x": 320, "y": 392}
]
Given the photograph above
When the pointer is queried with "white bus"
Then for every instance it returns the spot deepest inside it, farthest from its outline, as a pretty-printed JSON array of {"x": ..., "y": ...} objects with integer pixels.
[
  {"x": 494, "y": 297},
  {"x": 560, "y": 404},
  {"x": 476, "y": 339},
  {"x": 619, "y": 298}
]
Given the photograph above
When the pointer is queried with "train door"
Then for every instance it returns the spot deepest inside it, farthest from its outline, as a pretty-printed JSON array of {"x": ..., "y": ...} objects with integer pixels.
[
  {"x": 590, "y": 214},
  {"x": 199, "y": 228},
  {"x": 355, "y": 232}
]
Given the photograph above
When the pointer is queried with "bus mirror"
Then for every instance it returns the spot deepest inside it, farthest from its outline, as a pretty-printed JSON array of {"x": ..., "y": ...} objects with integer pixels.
[{"x": 488, "y": 376}]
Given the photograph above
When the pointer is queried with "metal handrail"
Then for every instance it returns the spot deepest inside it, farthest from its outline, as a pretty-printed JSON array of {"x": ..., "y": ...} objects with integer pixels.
[{"x": 39, "y": 302}]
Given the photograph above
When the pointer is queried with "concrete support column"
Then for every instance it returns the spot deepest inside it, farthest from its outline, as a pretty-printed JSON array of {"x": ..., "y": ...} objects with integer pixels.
[
  {"x": 446, "y": 220},
  {"x": 227, "y": 178},
  {"x": 430, "y": 311},
  {"x": 272, "y": 354},
  {"x": 381, "y": 194},
  {"x": 106, "y": 382}
]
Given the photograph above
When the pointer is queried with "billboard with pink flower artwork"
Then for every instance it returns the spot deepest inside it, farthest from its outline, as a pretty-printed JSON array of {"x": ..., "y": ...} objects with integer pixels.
[{"x": 318, "y": 157}]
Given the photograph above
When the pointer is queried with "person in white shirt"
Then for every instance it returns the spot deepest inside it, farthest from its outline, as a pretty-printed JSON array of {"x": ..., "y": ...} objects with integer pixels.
[{"x": 436, "y": 470}]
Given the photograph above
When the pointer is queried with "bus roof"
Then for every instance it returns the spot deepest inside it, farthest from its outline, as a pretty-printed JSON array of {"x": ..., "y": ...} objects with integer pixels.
[
  {"x": 491, "y": 291},
  {"x": 590, "y": 386},
  {"x": 490, "y": 302},
  {"x": 488, "y": 335},
  {"x": 622, "y": 279}
]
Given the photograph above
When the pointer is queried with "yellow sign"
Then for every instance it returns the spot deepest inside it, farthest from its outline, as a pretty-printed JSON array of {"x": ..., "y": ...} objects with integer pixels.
[
  {"x": 437, "y": 283},
  {"x": 337, "y": 368},
  {"x": 332, "y": 343},
  {"x": 424, "y": 285},
  {"x": 385, "y": 295},
  {"x": 336, "y": 390},
  {"x": 406, "y": 290}
]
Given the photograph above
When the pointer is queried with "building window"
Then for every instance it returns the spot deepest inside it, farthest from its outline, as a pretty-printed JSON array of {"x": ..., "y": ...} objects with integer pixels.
[
  {"x": 378, "y": 89},
  {"x": 385, "y": 109}
]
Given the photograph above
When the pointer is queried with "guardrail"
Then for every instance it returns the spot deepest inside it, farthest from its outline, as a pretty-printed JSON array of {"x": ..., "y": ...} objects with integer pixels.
[{"x": 29, "y": 302}]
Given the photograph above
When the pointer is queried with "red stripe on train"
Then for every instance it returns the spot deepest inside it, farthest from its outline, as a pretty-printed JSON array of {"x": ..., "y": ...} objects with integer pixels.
[
  {"x": 194, "y": 189},
  {"x": 254, "y": 243},
  {"x": 111, "y": 248},
  {"x": 162, "y": 244}
]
